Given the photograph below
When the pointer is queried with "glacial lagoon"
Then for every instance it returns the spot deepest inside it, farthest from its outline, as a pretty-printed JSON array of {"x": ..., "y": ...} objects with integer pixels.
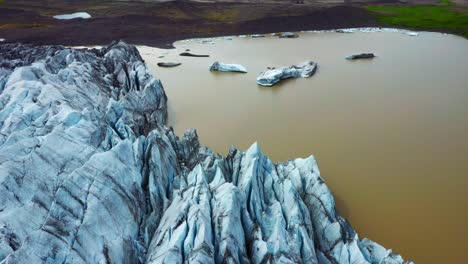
[{"x": 389, "y": 133}]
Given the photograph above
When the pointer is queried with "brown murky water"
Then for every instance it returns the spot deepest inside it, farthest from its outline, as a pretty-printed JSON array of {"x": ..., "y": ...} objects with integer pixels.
[{"x": 390, "y": 134}]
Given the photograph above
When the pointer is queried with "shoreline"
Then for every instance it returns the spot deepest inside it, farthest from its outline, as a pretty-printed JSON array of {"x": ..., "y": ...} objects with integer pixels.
[
  {"x": 350, "y": 30},
  {"x": 169, "y": 46}
]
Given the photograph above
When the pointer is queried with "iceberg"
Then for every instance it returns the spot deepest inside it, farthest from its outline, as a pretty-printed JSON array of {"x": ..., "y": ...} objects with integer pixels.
[
  {"x": 273, "y": 75},
  {"x": 288, "y": 35},
  {"x": 361, "y": 56},
  {"x": 257, "y": 36},
  {"x": 219, "y": 66},
  {"x": 168, "y": 64},
  {"x": 188, "y": 54}
]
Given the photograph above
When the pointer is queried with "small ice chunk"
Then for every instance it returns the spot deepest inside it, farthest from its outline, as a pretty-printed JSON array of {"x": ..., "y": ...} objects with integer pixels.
[
  {"x": 412, "y": 34},
  {"x": 168, "y": 64},
  {"x": 83, "y": 15},
  {"x": 289, "y": 35},
  {"x": 346, "y": 30},
  {"x": 207, "y": 41},
  {"x": 257, "y": 36},
  {"x": 361, "y": 56},
  {"x": 218, "y": 66}
]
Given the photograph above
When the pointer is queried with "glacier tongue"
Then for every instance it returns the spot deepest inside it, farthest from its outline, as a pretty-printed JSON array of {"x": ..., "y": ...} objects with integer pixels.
[{"x": 90, "y": 174}]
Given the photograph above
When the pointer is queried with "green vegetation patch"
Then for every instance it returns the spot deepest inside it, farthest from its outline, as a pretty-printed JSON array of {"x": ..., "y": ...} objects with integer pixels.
[{"x": 445, "y": 16}]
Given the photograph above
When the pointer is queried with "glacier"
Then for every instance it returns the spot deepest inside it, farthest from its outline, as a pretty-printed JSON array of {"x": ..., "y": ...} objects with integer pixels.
[{"x": 89, "y": 173}]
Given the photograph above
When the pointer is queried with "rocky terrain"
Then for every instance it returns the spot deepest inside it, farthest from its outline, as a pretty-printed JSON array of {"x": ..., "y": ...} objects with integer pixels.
[
  {"x": 90, "y": 174},
  {"x": 159, "y": 23}
]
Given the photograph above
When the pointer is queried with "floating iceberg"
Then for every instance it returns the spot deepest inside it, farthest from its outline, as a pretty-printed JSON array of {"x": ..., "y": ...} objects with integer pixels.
[
  {"x": 257, "y": 36},
  {"x": 346, "y": 30},
  {"x": 274, "y": 75},
  {"x": 288, "y": 35},
  {"x": 188, "y": 54},
  {"x": 168, "y": 64},
  {"x": 219, "y": 66},
  {"x": 361, "y": 56}
]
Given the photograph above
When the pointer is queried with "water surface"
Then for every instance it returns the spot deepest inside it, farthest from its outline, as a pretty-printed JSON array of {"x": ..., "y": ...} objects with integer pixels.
[{"x": 390, "y": 134}]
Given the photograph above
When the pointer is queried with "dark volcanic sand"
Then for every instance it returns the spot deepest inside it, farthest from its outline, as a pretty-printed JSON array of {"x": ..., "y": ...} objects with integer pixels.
[{"x": 160, "y": 24}]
